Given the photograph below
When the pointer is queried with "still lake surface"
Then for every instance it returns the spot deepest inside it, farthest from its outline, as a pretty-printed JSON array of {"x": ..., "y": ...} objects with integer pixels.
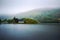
[{"x": 29, "y": 31}]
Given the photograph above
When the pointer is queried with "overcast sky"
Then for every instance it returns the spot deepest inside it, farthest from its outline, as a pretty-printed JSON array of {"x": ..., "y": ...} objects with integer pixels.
[{"x": 17, "y": 6}]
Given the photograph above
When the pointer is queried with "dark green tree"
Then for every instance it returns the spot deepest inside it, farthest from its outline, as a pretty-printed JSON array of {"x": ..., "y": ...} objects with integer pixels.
[
  {"x": 15, "y": 20},
  {"x": 30, "y": 21},
  {"x": 0, "y": 21}
]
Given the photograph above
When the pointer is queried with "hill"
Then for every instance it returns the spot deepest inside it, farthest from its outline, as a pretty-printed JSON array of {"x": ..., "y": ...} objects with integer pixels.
[{"x": 41, "y": 14}]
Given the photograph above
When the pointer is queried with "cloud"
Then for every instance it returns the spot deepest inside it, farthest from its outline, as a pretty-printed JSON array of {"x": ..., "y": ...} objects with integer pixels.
[{"x": 15, "y": 6}]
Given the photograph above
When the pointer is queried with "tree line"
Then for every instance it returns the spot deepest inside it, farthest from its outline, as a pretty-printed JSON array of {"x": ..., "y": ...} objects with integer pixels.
[{"x": 16, "y": 21}]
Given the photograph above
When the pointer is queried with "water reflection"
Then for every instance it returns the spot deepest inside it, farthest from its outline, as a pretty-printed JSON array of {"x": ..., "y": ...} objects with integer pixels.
[{"x": 28, "y": 32}]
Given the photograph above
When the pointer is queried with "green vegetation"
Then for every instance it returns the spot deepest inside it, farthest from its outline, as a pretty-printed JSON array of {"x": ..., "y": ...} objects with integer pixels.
[
  {"x": 18, "y": 21},
  {"x": 30, "y": 21},
  {"x": 38, "y": 19},
  {"x": 0, "y": 21},
  {"x": 50, "y": 18},
  {"x": 38, "y": 16}
]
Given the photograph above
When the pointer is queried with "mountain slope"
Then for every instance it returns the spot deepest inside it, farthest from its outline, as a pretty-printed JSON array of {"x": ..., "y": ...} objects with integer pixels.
[
  {"x": 5, "y": 16},
  {"x": 40, "y": 13}
]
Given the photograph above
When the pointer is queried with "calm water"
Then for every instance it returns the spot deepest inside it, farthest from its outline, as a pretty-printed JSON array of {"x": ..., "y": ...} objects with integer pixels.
[{"x": 29, "y": 31}]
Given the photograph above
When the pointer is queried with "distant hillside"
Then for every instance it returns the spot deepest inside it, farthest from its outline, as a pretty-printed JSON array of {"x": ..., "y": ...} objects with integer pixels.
[
  {"x": 40, "y": 13},
  {"x": 5, "y": 16}
]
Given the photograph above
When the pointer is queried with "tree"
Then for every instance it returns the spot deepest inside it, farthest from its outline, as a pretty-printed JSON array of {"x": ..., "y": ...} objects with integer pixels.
[
  {"x": 15, "y": 20},
  {"x": 9, "y": 20},
  {"x": 0, "y": 21},
  {"x": 30, "y": 21}
]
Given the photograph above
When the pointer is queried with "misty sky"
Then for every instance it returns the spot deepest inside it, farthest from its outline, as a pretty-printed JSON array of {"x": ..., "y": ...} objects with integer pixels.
[{"x": 17, "y": 6}]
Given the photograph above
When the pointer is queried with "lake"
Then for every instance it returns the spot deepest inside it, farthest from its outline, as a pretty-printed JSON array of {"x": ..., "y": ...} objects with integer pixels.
[{"x": 29, "y": 31}]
